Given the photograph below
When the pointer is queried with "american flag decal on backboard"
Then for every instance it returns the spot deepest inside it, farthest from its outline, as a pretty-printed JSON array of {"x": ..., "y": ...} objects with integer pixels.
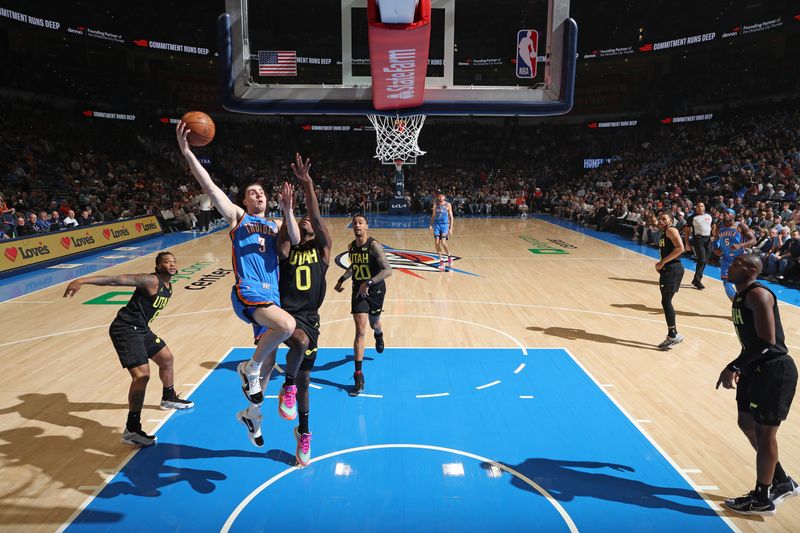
[{"x": 277, "y": 63}]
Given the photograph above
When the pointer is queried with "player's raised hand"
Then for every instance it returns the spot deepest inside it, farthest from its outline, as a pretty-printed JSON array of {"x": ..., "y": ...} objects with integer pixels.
[
  {"x": 181, "y": 132},
  {"x": 286, "y": 196},
  {"x": 301, "y": 169}
]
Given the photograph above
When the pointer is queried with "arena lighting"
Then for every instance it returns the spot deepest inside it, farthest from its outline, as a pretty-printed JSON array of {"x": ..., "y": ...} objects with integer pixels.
[{"x": 453, "y": 469}]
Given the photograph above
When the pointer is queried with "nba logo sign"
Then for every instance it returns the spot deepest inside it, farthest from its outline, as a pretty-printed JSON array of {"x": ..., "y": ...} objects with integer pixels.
[{"x": 527, "y": 48}]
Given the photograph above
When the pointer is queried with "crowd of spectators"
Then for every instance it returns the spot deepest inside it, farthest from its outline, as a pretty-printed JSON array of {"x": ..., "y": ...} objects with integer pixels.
[
  {"x": 749, "y": 163},
  {"x": 64, "y": 170}
]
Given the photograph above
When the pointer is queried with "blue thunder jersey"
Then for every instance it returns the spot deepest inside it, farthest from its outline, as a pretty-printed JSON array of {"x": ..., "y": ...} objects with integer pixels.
[
  {"x": 254, "y": 255},
  {"x": 441, "y": 218},
  {"x": 726, "y": 238}
]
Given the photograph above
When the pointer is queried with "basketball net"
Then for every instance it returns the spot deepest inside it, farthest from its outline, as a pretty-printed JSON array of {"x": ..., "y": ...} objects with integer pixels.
[{"x": 397, "y": 136}]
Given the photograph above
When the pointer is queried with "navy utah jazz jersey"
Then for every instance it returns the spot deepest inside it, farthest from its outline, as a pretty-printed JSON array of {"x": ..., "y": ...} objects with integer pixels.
[
  {"x": 302, "y": 279},
  {"x": 364, "y": 263},
  {"x": 142, "y": 308},
  {"x": 666, "y": 246},
  {"x": 745, "y": 323}
]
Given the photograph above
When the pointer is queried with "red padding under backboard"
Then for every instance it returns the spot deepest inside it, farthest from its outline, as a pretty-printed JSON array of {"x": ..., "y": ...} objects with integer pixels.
[{"x": 399, "y": 58}]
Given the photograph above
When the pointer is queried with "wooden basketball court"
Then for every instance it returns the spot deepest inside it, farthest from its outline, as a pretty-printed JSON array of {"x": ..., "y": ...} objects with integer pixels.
[{"x": 516, "y": 283}]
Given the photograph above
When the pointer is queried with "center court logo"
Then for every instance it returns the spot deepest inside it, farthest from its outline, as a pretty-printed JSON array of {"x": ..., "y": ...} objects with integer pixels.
[{"x": 408, "y": 261}]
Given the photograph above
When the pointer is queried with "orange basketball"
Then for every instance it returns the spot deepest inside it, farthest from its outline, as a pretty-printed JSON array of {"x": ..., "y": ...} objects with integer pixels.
[{"x": 201, "y": 126}]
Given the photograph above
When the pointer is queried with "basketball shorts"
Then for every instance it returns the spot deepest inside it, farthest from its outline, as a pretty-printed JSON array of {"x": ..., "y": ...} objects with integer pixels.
[
  {"x": 135, "y": 345},
  {"x": 440, "y": 230},
  {"x": 247, "y": 297},
  {"x": 309, "y": 323},
  {"x": 372, "y": 304},
  {"x": 767, "y": 390},
  {"x": 670, "y": 277}
]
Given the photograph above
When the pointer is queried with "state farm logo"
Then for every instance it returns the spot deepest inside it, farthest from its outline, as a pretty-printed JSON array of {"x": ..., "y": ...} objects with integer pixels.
[
  {"x": 116, "y": 233},
  {"x": 401, "y": 74},
  {"x": 12, "y": 253},
  {"x": 78, "y": 242}
]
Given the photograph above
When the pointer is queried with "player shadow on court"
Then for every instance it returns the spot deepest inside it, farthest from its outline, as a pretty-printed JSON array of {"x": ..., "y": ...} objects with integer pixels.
[
  {"x": 96, "y": 447},
  {"x": 281, "y": 456},
  {"x": 659, "y": 311},
  {"x": 574, "y": 334},
  {"x": 633, "y": 280},
  {"x": 330, "y": 365},
  {"x": 27, "y": 448},
  {"x": 151, "y": 471},
  {"x": 649, "y": 282},
  {"x": 567, "y": 480}
]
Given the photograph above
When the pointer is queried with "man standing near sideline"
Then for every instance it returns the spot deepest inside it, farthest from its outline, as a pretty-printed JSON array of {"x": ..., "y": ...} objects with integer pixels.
[
  {"x": 670, "y": 274},
  {"x": 204, "y": 206},
  {"x": 701, "y": 230},
  {"x": 766, "y": 377}
]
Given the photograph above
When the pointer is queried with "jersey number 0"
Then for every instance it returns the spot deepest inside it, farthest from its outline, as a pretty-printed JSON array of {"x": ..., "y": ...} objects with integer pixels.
[{"x": 302, "y": 278}]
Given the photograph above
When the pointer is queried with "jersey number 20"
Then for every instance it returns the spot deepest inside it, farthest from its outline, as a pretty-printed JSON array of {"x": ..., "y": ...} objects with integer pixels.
[{"x": 361, "y": 272}]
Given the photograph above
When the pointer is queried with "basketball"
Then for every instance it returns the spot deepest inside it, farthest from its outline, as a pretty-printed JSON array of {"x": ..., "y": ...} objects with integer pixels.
[{"x": 201, "y": 128}]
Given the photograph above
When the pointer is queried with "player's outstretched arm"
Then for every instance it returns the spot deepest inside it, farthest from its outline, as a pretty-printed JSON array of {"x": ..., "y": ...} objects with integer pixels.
[
  {"x": 286, "y": 203},
  {"x": 433, "y": 215},
  {"x": 226, "y": 208},
  {"x": 284, "y": 247},
  {"x": 301, "y": 171},
  {"x": 149, "y": 282}
]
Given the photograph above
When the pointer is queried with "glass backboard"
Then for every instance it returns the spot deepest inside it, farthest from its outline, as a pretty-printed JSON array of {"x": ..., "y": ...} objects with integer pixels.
[{"x": 284, "y": 57}]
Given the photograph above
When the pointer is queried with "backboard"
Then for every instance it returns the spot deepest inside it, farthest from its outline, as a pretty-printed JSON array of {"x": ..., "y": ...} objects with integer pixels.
[{"x": 282, "y": 57}]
